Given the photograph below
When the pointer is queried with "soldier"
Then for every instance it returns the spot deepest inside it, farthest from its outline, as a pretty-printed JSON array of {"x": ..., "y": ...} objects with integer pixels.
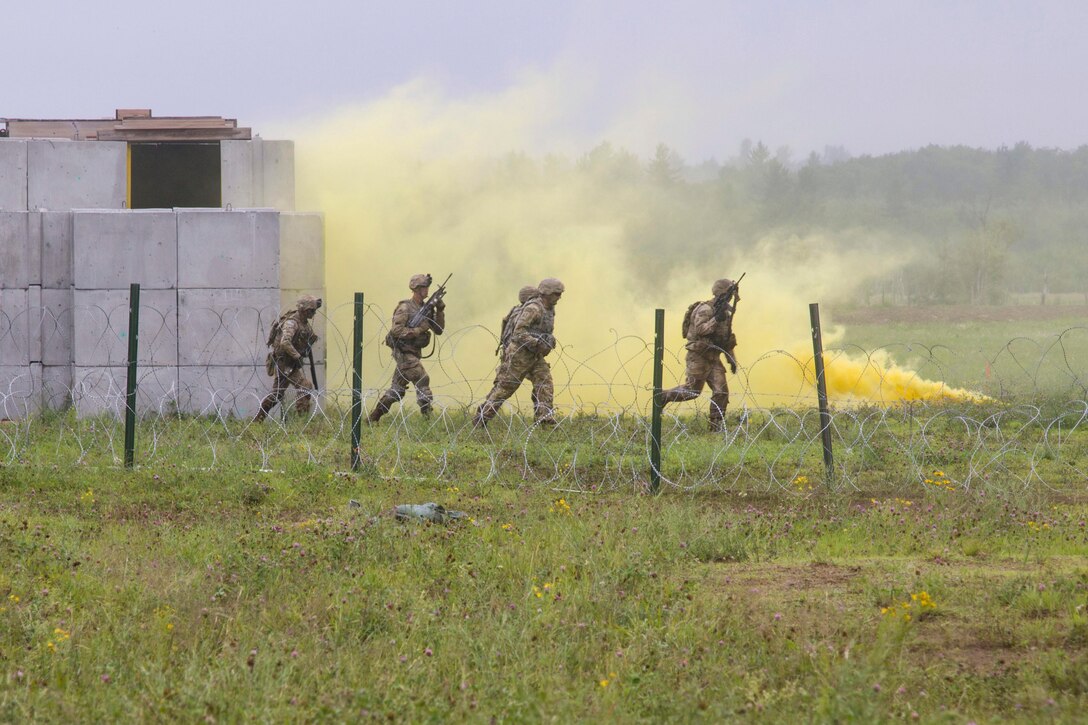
[
  {"x": 291, "y": 338},
  {"x": 506, "y": 328},
  {"x": 708, "y": 327},
  {"x": 530, "y": 340},
  {"x": 408, "y": 343}
]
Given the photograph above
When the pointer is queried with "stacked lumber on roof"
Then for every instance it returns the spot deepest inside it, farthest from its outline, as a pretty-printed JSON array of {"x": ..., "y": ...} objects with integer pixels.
[{"x": 131, "y": 124}]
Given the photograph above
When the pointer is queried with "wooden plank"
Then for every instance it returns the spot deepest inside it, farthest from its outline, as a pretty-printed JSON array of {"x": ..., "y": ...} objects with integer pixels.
[
  {"x": 73, "y": 130},
  {"x": 122, "y": 113},
  {"x": 176, "y": 134},
  {"x": 179, "y": 122}
]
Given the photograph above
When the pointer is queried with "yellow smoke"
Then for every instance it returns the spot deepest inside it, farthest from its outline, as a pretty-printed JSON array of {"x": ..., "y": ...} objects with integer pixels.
[{"x": 416, "y": 182}]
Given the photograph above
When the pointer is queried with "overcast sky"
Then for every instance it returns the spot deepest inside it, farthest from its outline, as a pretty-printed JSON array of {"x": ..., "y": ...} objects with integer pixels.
[{"x": 871, "y": 76}]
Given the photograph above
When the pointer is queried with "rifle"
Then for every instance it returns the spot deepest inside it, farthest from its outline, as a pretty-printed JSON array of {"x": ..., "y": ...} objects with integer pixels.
[
  {"x": 313, "y": 368},
  {"x": 721, "y": 302},
  {"x": 426, "y": 312}
]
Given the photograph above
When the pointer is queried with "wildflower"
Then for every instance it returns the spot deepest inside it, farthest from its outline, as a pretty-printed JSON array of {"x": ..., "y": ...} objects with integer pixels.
[
  {"x": 560, "y": 506},
  {"x": 428, "y": 651},
  {"x": 105, "y": 678},
  {"x": 603, "y": 683},
  {"x": 14, "y": 598},
  {"x": 507, "y": 527},
  {"x": 87, "y": 496}
]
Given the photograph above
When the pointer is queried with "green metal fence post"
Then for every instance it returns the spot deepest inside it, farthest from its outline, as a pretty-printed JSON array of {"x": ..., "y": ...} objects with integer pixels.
[
  {"x": 655, "y": 415},
  {"x": 130, "y": 388},
  {"x": 821, "y": 391},
  {"x": 357, "y": 383}
]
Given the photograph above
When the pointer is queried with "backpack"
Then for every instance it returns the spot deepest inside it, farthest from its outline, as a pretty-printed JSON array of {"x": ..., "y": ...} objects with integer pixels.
[
  {"x": 686, "y": 324},
  {"x": 506, "y": 327},
  {"x": 277, "y": 327}
]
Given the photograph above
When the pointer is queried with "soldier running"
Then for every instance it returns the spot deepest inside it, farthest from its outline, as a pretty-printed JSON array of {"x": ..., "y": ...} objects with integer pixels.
[
  {"x": 531, "y": 338},
  {"x": 708, "y": 327},
  {"x": 408, "y": 343},
  {"x": 291, "y": 338}
]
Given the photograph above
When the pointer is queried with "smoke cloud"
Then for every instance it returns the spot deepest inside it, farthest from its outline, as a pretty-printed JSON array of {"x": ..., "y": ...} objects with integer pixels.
[{"x": 491, "y": 189}]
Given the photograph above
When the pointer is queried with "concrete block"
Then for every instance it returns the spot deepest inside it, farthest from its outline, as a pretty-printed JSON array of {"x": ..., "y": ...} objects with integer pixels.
[
  {"x": 34, "y": 327},
  {"x": 222, "y": 390},
  {"x": 14, "y": 327},
  {"x": 302, "y": 250},
  {"x": 55, "y": 322},
  {"x": 56, "y": 249},
  {"x": 76, "y": 174},
  {"x": 236, "y": 173},
  {"x": 113, "y": 249},
  {"x": 56, "y": 387},
  {"x": 13, "y": 174},
  {"x": 101, "y": 391},
  {"x": 228, "y": 249},
  {"x": 17, "y": 392},
  {"x": 320, "y": 323},
  {"x": 15, "y": 251},
  {"x": 225, "y": 326},
  {"x": 277, "y": 175},
  {"x": 100, "y": 322}
]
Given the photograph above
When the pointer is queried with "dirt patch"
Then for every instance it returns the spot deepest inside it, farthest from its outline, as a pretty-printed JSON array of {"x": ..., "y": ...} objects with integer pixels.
[
  {"x": 784, "y": 578},
  {"x": 956, "y": 313}
]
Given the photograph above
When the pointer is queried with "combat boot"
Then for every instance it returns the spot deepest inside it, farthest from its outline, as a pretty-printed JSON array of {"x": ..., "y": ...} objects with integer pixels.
[
  {"x": 266, "y": 405},
  {"x": 375, "y": 415}
]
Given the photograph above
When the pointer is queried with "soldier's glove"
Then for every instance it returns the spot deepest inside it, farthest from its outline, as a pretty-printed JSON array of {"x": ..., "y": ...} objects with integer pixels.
[
  {"x": 732, "y": 365},
  {"x": 440, "y": 305}
]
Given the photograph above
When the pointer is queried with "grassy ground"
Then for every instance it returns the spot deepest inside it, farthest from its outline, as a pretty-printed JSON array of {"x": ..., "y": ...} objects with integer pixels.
[
  {"x": 945, "y": 580},
  {"x": 174, "y": 594}
]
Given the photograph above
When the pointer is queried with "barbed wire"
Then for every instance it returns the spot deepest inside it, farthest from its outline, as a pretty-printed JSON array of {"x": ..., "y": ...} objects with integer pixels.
[{"x": 1020, "y": 426}]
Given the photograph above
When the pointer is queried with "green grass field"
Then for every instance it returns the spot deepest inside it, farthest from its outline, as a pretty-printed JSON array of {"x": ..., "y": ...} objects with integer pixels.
[{"x": 200, "y": 588}]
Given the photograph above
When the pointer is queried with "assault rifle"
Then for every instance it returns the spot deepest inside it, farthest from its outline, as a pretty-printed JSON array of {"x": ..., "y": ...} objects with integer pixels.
[
  {"x": 723, "y": 302},
  {"x": 727, "y": 300},
  {"x": 426, "y": 312},
  {"x": 313, "y": 369}
]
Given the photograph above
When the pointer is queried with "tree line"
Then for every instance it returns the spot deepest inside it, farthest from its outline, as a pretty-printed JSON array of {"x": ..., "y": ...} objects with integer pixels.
[{"x": 974, "y": 225}]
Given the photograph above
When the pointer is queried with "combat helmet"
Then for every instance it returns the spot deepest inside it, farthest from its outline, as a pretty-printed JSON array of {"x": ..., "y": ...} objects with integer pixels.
[
  {"x": 550, "y": 286},
  {"x": 308, "y": 303},
  {"x": 419, "y": 280},
  {"x": 721, "y": 286}
]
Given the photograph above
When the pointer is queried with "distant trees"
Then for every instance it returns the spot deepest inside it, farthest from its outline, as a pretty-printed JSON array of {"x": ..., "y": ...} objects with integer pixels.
[{"x": 972, "y": 224}]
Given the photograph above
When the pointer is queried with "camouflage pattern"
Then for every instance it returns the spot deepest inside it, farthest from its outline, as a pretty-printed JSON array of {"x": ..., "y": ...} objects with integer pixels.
[
  {"x": 524, "y": 295},
  {"x": 707, "y": 340},
  {"x": 284, "y": 361},
  {"x": 408, "y": 343},
  {"x": 523, "y": 358}
]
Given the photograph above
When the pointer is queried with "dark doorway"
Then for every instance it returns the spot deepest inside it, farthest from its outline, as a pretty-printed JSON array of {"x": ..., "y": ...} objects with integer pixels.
[{"x": 166, "y": 175}]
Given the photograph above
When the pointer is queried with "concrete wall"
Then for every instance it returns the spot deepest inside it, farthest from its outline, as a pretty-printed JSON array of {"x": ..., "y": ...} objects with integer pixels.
[
  {"x": 258, "y": 173},
  {"x": 116, "y": 248},
  {"x": 228, "y": 250},
  {"x": 212, "y": 282},
  {"x": 66, "y": 175},
  {"x": 13, "y": 158}
]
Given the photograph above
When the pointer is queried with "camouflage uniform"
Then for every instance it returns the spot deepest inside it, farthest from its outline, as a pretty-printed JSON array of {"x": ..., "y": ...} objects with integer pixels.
[
  {"x": 506, "y": 330},
  {"x": 531, "y": 339},
  {"x": 408, "y": 343},
  {"x": 708, "y": 338},
  {"x": 284, "y": 362}
]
